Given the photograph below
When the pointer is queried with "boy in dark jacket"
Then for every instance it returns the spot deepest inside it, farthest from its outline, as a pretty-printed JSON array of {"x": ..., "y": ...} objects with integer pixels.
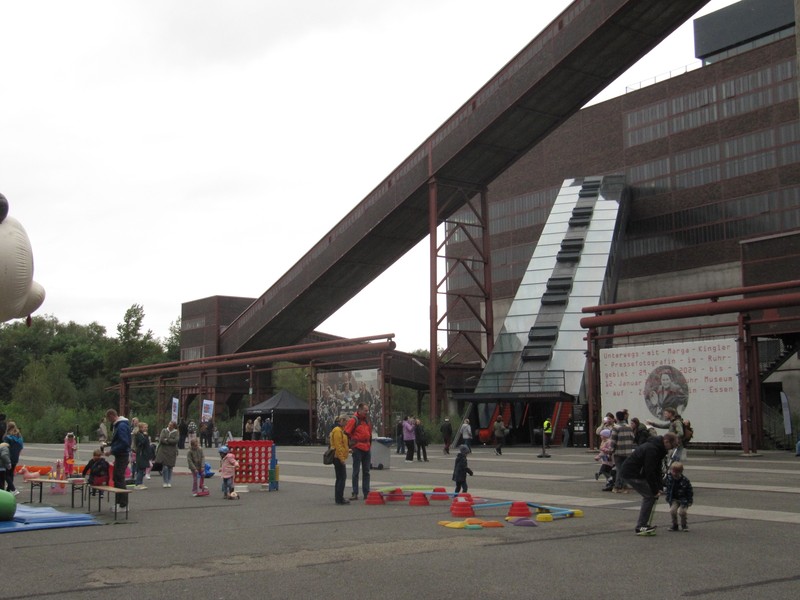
[
  {"x": 680, "y": 495},
  {"x": 461, "y": 470}
]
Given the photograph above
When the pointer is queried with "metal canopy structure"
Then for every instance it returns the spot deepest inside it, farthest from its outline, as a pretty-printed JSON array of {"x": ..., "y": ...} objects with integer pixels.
[{"x": 585, "y": 48}]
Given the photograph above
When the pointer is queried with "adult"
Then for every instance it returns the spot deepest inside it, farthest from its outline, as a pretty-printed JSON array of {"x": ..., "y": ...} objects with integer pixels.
[
  {"x": 102, "y": 432},
  {"x": 421, "y": 439},
  {"x": 465, "y": 432},
  {"x": 257, "y": 429},
  {"x": 674, "y": 425},
  {"x": 3, "y": 425},
  {"x": 547, "y": 432},
  {"x": 13, "y": 438},
  {"x": 183, "y": 433},
  {"x": 120, "y": 449},
  {"x": 398, "y": 436},
  {"x": 248, "y": 430},
  {"x": 266, "y": 429},
  {"x": 621, "y": 448},
  {"x": 167, "y": 451},
  {"x": 141, "y": 443},
  {"x": 409, "y": 437},
  {"x": 359, "y": 431},
  {"x": 642, "y": 471},
  {"x": 640, "y": 432},
  {"x": 210, "y": 427},
  {"x": 447, "y": 434},
  {"x": 499, "y": 435},
  {"x": 341, "y": 449}
]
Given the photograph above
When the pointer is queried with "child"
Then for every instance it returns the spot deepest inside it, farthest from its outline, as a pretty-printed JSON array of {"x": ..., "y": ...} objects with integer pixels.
[
  {"x": 196, "y": 462},
  {"x": 70, "y": 446},
  {"x": 5, "y": 463},
  {"x": 461, "y": 470},
  {"x": 227, "y": 470},
  {"x": 97, "y": 470},
  {"x": 679, "y": 494},
  {"x": 606, "y": 460}
]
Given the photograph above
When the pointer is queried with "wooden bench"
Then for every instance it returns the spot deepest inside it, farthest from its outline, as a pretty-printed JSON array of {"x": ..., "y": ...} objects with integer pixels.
[
  {"x": 110, "y": 490},
  {"x": 77, "y": 484}
]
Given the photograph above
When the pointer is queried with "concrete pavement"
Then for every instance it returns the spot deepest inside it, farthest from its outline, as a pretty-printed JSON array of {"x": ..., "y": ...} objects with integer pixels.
[{"x": 296, "y": 542}]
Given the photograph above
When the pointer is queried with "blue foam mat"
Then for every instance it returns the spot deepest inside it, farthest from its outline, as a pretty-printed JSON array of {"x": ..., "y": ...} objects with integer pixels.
[{"x": 29, "y": 518}]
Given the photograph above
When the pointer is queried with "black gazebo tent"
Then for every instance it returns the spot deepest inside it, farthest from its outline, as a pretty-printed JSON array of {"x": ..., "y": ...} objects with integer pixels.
[{"x": 287, "y": 411}]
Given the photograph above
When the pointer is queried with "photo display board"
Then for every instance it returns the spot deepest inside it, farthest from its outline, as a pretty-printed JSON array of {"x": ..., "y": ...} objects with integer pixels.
[{"x": 699, "y": 379}]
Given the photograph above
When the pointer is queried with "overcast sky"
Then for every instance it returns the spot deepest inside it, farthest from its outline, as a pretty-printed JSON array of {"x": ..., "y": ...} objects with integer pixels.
[{"x": 163, "y": 151}]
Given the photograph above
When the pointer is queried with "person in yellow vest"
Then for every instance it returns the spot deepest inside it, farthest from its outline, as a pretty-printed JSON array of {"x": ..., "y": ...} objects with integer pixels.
[{"x": 548, "y": 432}]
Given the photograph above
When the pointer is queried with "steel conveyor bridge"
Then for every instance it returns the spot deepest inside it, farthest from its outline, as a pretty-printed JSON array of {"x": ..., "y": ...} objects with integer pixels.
[{"x": 577, "y": 55}]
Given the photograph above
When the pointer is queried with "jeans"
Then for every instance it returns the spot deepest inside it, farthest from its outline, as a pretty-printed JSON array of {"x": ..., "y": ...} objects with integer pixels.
[
  {"x": 361, "y": 462},
  {"x": 340, "y": 469},
  {"x": 166, "y": 473},
  {"x": 424, "y": 450},
  {"x": 461, "y": 486},
  {"x": 648, "y": 500},
  {"x": 139, "y": 478},
  {"x": 227, "y": 486}
]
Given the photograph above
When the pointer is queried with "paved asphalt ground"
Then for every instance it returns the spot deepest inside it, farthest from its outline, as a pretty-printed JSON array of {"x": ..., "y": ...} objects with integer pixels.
[{"x": 296, "y": 543}]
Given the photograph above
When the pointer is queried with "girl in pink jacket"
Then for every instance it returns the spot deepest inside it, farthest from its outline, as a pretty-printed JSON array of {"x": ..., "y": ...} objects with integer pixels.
[{"x": 227, "y": 470}]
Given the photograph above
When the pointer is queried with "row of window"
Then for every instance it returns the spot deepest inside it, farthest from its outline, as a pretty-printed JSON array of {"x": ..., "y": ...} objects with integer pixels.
[
  {"x": 735, "y": 157},
  {"x": 730, "y": 98},
  {"x": 760, "y": 214}
]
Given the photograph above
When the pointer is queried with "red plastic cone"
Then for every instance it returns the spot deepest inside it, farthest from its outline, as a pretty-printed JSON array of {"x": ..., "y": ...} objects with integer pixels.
[
  {"x": 374, "y": 498},
  {"x": 519, "y": 509},
  {"x": 419, "y": 499},
  {"x": 439, "y": 493},
  {"x": 462, "y": 509}
]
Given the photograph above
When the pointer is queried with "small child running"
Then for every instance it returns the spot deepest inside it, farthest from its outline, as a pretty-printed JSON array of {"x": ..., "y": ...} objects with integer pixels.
[
  {"x": 461, "y": 470},
  {"x": 679, "y": 495}
]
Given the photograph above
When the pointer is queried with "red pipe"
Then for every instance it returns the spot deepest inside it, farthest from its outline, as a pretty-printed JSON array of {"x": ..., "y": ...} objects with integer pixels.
[
  {"x": 712, "y": 295},
  {"x": 213, "y": 365},
  {"x": 692, "y": 310}
]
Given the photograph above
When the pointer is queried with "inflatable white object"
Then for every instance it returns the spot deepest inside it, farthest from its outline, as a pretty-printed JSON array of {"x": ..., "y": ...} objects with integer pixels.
[{"x": 19, "y": 294}]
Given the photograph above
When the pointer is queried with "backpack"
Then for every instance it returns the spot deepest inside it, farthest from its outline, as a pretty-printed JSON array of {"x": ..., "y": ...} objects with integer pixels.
[{"x": 688, "y": 432}]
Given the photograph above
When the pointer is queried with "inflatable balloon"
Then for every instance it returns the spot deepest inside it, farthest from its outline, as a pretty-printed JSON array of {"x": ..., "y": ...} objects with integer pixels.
[
  {"x": 19, "y": 294},
  {"x": 8, "y": 505}
]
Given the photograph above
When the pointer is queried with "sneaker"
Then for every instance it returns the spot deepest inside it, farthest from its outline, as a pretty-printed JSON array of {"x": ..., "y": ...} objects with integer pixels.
[
  {"x": 411, "y": 461},
  {"x": 647, "y": 530},
  {"x": 597, "y": 476},
  {"x": 169, "y": 485},
  {"x": 354, "y": 497},
  {"x": 166, "y": 485},
  {"x": 147, "y": 476},
  {"x": 674, "y": 528},
  {"x": 140, "y": 487},
  {"x": 194, "y": 494},
  {"x": 15, "y": 492},
  {"x": 685, "y": 528}
]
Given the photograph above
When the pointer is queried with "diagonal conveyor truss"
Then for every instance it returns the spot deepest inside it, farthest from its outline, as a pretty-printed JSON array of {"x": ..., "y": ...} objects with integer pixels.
[{"x": 585, "y": 48}]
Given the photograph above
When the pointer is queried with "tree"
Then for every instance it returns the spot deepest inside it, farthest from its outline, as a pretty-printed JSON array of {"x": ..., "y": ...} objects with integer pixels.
[{"x": 172, "y": 345}]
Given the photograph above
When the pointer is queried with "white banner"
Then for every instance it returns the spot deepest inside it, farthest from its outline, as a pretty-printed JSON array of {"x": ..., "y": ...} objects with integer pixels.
[
  {"x": 208, "y": 411},
  {"x": 699, "y": 379},
  {"x": 175, "y": 405}
]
